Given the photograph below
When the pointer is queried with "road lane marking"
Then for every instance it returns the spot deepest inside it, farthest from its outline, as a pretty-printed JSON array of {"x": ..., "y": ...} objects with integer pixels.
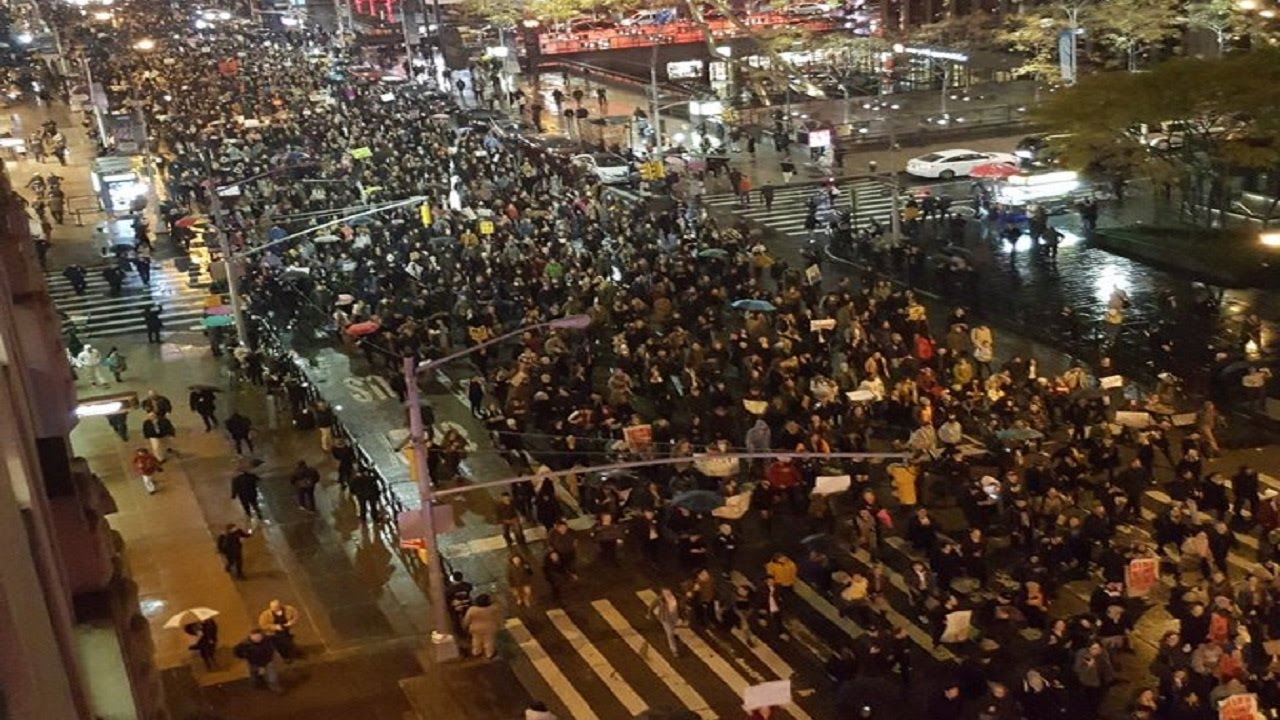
[
  {"x": 598, "y": 663},
  {"x": 550, "y": 672},
  {"x": 654, "y": 659}
]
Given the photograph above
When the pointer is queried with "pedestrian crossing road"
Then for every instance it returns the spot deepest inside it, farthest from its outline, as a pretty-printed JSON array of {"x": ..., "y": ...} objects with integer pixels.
[
  {"x": 864, "y": 200},
  {"x": 97, "y": 314}
]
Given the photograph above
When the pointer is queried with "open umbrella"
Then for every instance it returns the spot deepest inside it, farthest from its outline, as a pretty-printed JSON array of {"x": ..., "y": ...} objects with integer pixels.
[
  {"x": 720, "y": 253},
  {"x": 754, "y": 305},
  {"x": 216, "y": 321},
  {"x": 325, "y": 239},
  {"x": 190, "y": 615},
  {"x": 363, "y": 220},
  {"x": 345, "y": 299},
  {"x": 717, "y": 466},
  {"x": 698, "y": 501},
  {"x": 361, "y": 329},
  {"x": 994, "y": 170},
  {"x": 190, "y": 220},
  {"x": 277, "y": 233},
  {"x": 218, "y": 310}
]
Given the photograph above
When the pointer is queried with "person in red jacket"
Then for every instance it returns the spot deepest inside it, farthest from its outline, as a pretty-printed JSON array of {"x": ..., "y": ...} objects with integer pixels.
[{"x": 147, "y": 465}]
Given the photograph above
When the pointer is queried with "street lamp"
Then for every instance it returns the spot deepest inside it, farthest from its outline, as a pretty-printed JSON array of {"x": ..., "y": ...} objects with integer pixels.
[{"x": 442, "y": 639}]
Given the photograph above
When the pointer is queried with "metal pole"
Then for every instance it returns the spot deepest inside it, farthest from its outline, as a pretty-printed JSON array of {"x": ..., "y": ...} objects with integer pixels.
[
  {"x": 408, "y": 44},
  {"x": 653, "y": 95},
  {"x": 946, "y": 82},
  {"x": 442, "y": 640},
  {"x": 895, "y": 222},
  {"x": 228, "y": 260}
]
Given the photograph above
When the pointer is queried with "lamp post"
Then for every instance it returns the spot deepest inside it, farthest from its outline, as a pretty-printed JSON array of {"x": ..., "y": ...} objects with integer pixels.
[{"x": 442, "y": 640}]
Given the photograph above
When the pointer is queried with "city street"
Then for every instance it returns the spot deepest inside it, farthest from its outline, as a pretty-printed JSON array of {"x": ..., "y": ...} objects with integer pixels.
[{"x": 577, "y": 326}]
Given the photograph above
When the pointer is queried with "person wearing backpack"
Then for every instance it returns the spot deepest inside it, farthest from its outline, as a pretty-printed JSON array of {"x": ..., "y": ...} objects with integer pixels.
[{"x": 231, "y": 547}]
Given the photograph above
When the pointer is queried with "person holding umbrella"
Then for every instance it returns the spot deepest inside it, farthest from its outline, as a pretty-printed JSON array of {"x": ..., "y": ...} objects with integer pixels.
[{"x": 199, "y": 623}]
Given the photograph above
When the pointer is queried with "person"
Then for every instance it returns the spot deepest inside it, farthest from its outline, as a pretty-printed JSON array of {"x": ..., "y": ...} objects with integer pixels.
[
  {"x": 90, "y": 360},
  {"x": 244, "y": 487},
  {"x": 119, "y": 422},
  {"x": 204, "y": 404},
  {"x": 726, "y": 547},
  {"x": 75, "y": 274},
  {"x": 458, "y": 593},
  {"x": 230, "y": 546},
  {"x": 364, "y": 487},
  {"x": 482, "y": 621},
  {"x": 788, "y": 169},
  {"x": 259, "y": 653},
  {"x": 767, "y": 193},
  {"x": 562, "y": 540},
  {"x": 240, "y": 428},
  {"x": 946, "y": 704},
  {"x": 668, "y": 611},
  {"x": 116, "y": 363},
  {"x": 555, "y": 572},
  {"x": 509, "y": 518},
  {"x": 304, "y": 480},
  {"x": 475, "y": 395},
  {"x": 151, "y": 317},
  {"x": 157, "y": 404},
  {"x": 345, "y": 455},
  {"x": 769, "y": 604},
  {"x": 205, "y": 633},
  {"x": 325, "y": 421},
  {"x": 278, "y": 621},
  {"x": 520, "y": 580},
  {"x": 147, "y": 465},
  {"x": 1094, "y": 673},
  {"x": 156, "y": 429},
  {"x": 608, "y": 537}
]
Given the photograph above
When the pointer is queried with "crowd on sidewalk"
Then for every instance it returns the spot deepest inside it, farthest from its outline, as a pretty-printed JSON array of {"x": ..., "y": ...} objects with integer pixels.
[{"x": 701, "y": 345}]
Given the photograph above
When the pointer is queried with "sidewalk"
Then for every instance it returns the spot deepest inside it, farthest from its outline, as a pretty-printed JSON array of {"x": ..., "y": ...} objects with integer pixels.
[
  {"x": 72, "y": 244},
  {"x": 363, "y": 616}
]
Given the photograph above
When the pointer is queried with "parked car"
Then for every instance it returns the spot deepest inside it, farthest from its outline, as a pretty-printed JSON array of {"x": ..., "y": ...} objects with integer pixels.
[
  {"x": 609, "y": 168},
  {"x": 1172, "y": 134},
  {"x": 1040, "y": 149},
  {"x": 657, "y": 16},
  {"x": 809, "y": 9},
  {"x": 947, "y": 164},
  {"x": 587, "y": 24}
]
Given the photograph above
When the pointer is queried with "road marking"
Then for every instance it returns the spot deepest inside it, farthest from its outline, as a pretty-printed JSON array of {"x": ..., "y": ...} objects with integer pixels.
[
  {"x": 654, "y": 659},
  {"x": 493, "y": 543},
  {"x": 550, "y": 672},
  {"x": 896, "y": 619},
  {"x": 599, "y": 664},
  {"x": 795, "y": 628}
]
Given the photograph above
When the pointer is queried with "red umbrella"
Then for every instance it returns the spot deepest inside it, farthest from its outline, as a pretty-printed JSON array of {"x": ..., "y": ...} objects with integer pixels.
[
  {"x": 190, "y": 220},
  {"x": 994, "y": 170},
  {"x": 361, "y": 329}
]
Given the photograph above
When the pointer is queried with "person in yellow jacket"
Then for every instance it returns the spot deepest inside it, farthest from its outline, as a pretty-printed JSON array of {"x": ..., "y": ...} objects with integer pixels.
[
  {"x": 904, "y": 479},
  {"x": 783, "y": 571}
]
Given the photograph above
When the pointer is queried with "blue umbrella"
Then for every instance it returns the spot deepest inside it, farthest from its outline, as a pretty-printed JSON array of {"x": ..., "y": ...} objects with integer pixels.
[
  {"x": 214, "y": 321},
  {"x": 698, "y": 501},
  {"x": 362, "y": 220},
  {"x": 276, "y": 233},
  {"x": 336, "y": 76},
  {"x": 754, "y": 305}
]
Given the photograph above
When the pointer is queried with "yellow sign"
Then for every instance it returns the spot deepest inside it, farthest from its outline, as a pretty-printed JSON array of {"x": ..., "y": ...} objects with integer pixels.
[
  {"x": 424, "y": 212},
  {"x": 361, "y": 153},
  {"x": 486, "y": 227}
]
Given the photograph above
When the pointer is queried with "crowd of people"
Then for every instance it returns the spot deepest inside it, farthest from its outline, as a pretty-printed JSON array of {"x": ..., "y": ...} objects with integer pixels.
[{"x": 702, "y": 343}]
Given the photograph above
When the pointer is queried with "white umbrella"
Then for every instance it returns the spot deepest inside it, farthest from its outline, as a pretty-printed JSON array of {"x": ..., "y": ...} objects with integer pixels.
[
  {"x": 345, "y": 299},
  {"x": 325, "y": 239},
  {"x": 190, "y": 615}
]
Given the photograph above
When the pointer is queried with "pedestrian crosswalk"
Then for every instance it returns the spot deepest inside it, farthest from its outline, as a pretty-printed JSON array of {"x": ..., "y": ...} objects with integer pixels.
[
  {"x": 96, "y": 313},
  {"x": 865, "y": 200}
]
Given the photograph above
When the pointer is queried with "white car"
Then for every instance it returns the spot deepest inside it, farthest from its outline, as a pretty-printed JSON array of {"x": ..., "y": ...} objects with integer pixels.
[
  {"x": 609, "y": 168},
  {"x": 947, "y": 164},
  {"x": 808, "y": 9},
  {"x": 659, "y": 16}
]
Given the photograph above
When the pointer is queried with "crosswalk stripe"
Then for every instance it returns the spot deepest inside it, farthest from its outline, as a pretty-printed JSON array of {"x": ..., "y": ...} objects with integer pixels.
[
  {"x": 598, "y": 663},
  {"x": 97, "y": 313},
  {"x": 709, "y": 657},
  {"x": 654, "y": 659},
  {"x": 896, "y": 618},
  {"x": 550, "y": 672}
]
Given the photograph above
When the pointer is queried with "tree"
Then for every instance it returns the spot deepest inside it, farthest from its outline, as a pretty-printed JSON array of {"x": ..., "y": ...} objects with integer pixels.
[
  {"x": 1219, "y": 17},
  {"x": 1223, "y": 110},
  {"x": 973, "y": 31},
  {"x": 1128, "y": 26},
  {"x": 1035, "y": 33}
]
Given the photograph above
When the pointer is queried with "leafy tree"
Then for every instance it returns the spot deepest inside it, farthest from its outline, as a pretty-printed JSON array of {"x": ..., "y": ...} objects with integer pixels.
[
  {"x": 1034, "y": 33},
  {"x": 1223, "y": 108},
  {"x": 1220, "y": 17},
  {"x": 962, "y": 32},
  {"x": 1127, "y": 26}
]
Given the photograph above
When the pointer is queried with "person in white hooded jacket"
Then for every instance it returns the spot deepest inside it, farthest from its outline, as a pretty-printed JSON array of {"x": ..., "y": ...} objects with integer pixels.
[{"x": 90, "y": 360}]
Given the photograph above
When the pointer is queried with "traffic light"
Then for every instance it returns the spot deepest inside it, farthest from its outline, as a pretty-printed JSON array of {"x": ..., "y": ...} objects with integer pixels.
[{"x": 652, "y": 171}]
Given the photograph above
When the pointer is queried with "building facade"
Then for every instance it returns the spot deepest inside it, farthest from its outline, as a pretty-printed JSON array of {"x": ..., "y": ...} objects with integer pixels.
[{"x": 73, "y": 642}]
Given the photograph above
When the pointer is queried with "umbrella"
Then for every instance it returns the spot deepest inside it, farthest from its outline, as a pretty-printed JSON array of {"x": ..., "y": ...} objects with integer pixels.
[
  {"x": 217, "y": 321},
  {"x": 218, "y": 310},
  {"x": 364, "y": 220},
  {"x": 190, "y": 220},
  {"x": 1019, "y": 434},
  {"x": 619, "y": 478},
  {"x": 815, "y": 539},
  {"x": 717, "y": 466},
  {"x": 994, "y": 170},
  {"x": 754, "y": 305},
  {"x": 292, "y": 156},
  {"x": 698, "y": 501},
  {"x": 336, "y": 76},
  {"x": 720, "y": 253},
  {"x": 325, "y": 239},
  {"x": 191, "y": 615},
  {"x": 345, "y": 299},
  {"x": 361, "y": 329},
  {"x": 277, "y": 233}
]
